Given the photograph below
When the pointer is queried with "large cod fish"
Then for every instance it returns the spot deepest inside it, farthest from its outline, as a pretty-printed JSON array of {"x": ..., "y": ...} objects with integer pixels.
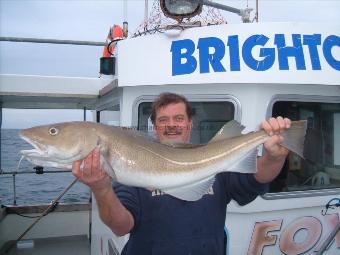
[{"x": 183, "y": 171}]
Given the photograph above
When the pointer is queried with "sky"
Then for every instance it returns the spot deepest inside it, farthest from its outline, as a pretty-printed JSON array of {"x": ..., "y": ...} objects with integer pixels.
[{"x": 90, "y": 20}]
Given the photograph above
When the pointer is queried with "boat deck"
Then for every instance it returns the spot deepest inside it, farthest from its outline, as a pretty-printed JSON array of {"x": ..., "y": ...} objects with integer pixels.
[
  {"x": 65, "y": 230},
  {"x": 52, "y": 246}
]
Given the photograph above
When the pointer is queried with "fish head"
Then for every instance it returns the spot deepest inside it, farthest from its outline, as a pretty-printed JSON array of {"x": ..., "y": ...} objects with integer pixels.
[{"x": 58, "y": 145}]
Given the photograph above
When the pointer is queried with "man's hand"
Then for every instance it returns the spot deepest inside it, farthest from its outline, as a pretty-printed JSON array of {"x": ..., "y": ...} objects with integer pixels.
[
  {"x": 90, "y": 173},
  {"x": 270, "y": 165},
  {"x": 111, "y": 210},
  {"x": 275, "y": 127}
]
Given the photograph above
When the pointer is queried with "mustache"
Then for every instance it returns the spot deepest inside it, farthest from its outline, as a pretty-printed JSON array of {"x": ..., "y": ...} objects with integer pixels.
[{"x": 172, "y": 130}]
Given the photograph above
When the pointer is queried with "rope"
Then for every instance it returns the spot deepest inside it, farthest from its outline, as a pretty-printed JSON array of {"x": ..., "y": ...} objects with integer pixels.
[
  {"x": 44, "y": 213},
  {"x": 19, "y": 214}
]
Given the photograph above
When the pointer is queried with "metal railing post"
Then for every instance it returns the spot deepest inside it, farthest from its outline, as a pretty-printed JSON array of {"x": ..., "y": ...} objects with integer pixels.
[
  {"x": 0, "y": 132},
  {"x": 84, "y": 110},
  {"x": 14, "y": 173},
  {"x": 329, "y": 239},
  {"x": 14, "y": 190}
]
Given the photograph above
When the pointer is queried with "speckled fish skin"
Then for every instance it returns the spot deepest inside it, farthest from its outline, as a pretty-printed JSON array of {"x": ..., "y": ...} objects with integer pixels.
[{"x": 133, "y": 159}]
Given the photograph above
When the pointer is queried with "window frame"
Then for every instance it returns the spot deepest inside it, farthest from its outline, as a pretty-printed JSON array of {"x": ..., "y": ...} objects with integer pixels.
[
  {"x": 191, "y": 98},
  {"x": 306, "y": 99}
]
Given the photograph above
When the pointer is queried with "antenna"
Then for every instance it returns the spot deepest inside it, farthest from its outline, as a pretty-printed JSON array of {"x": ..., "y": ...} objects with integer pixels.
[
  {"x": 125, "y": 18},
  {"x": 125, "y": 10},
  {"x": 146, "y": 13},
  {"x": 257, "y": 11}
]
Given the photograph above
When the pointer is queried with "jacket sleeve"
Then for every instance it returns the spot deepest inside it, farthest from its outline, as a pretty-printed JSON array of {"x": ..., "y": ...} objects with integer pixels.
[
  {"x": 129, "y": 197},
  {"x": 243, "y": 188}
]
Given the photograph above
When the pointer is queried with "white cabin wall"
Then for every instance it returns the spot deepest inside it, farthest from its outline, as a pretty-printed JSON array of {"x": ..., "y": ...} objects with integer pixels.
[{"x": 337, "y": 139}]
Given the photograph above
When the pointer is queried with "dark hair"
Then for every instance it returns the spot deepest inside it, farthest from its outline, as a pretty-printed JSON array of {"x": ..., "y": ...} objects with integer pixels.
[{"x": 167, "y": 98}]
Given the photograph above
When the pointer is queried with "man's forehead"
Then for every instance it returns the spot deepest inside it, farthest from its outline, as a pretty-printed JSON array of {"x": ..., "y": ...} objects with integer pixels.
[
  {"x": 171, "y": 115},
  {"x": 172, "y": 110},
  {"x": 173, "y": 106}
]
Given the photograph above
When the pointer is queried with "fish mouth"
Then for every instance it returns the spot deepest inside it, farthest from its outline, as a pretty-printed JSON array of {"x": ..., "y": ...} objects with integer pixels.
[
  {"x": 39, "y": 150},
  {"x": 38, "y": 155},
  {"x": 47, "y": 155}
]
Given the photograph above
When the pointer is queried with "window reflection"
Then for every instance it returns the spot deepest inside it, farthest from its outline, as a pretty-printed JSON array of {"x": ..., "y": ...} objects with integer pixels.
[
  {"x": 320, "y": 169},
  {"x": 208, "y": 118}
]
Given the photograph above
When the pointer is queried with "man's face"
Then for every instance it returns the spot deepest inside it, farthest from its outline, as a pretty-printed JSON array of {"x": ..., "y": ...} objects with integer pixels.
[{"x": 172, "y": 123}]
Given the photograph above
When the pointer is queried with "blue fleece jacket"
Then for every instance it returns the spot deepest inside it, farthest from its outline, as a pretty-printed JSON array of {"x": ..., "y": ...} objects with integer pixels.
[{"x": 165, "y": 225}]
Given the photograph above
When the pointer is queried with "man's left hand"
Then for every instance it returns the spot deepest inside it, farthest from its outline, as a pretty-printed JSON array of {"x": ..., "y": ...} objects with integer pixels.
[{"x": 275, "y": 127}]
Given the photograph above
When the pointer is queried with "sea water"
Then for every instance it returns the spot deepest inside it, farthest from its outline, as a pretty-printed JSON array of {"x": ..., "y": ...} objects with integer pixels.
[{"x": 33, "y": 188}]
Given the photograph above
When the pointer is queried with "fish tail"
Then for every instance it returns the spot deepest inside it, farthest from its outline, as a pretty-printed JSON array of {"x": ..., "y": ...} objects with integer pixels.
[{"x": 294, "y": 137}]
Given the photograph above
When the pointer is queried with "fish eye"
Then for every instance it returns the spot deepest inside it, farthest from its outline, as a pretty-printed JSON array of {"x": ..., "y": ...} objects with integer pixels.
[{"x": 53, "y": 131}]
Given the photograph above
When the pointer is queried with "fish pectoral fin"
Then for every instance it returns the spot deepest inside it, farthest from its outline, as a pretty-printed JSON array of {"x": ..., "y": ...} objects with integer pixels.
[
  {"x": 105, "y": 165},
  {"x": 247, "y": 165},
  {"x": 193, "y": 191},
  {"x": 229, "y": 130}
]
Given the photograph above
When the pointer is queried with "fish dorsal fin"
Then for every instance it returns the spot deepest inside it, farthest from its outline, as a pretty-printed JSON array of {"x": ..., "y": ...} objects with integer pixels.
[
  {"x": 193, "y": 191},
  {"x": 246, "y": 165},
  {"x": 229, "y": 130}
]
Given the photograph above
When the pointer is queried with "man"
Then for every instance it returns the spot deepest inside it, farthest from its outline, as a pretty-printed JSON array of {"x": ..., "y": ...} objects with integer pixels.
[{"x": 161, "y": 224}]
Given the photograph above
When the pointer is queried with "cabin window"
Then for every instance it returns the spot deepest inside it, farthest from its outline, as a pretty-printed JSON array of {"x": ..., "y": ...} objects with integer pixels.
[
  {"x": 321, "y": 167},
  {"x": 108, "y": 112},
  {"x": 208, "y": 118},
  {"x": 109, "y": 117}
]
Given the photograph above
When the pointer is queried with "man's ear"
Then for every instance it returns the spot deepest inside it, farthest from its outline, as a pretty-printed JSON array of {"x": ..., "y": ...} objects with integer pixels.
[{"x": 190, "y": 125}]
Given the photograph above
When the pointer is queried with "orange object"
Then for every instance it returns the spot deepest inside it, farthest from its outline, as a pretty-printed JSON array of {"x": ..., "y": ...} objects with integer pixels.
[{"x": 115, "y": 34}]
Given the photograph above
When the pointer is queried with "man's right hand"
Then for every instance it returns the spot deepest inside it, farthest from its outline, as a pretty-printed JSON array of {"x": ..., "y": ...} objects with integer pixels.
[
  {"x": 89, "y": 172},
  {"x": 111, "y": 210}
]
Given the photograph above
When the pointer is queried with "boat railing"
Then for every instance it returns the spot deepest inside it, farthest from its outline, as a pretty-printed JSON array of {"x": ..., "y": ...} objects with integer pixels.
[
  {"x": 38, "y": 170},
  {"x": 50, "y": 41}
]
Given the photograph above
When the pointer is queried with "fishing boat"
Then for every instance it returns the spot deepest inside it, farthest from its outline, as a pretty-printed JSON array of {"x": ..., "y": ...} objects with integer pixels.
[{"x": 248, "y": 72}]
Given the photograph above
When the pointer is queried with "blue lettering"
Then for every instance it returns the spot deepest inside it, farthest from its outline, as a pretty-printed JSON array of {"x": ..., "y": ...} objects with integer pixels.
[
  {"x": 204, "y": 44},
  {"x": 295, "y": 51},
  {"x": 234, "y": 53},
  {"x": 328, "y": 44},
  {"x": 267, "y": 53},
  {"x": 312, "y": 41},
  {"x": 211, "y": 53},
  {"x": 190, "y": 64}
]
